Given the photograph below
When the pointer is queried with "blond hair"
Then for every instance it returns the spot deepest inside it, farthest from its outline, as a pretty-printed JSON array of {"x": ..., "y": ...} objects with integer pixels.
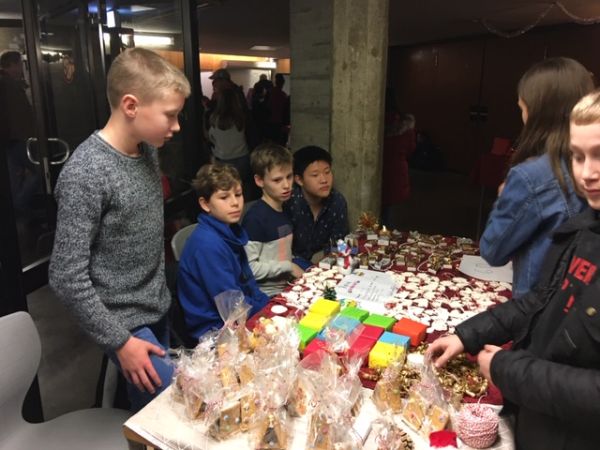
[
  {"x": 145, "y": 74},
  {"x": 587, "y": 110},
  {"x": 267, "y": 156},
  {"x": 215, "y": 177}
]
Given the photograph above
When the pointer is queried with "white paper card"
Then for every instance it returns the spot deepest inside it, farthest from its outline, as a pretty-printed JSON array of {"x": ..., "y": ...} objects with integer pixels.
[
  {"x": 367, "y": 287},
  {"x": 476, "y": 267}
]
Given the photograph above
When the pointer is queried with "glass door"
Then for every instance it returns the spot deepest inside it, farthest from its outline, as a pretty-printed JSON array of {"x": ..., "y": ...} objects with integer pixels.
[{"x": 50, "y": 52}]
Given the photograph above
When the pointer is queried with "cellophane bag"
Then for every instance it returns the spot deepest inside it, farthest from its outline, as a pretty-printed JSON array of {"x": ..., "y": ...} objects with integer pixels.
[
  {"x": 335, "y": 397},
  {"x": 233, "y": 310},
  {"x": 427, "y": 408}
]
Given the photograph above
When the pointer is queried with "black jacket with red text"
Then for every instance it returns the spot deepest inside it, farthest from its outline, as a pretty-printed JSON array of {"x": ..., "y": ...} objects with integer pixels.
[{"x": 552, "y": 372}]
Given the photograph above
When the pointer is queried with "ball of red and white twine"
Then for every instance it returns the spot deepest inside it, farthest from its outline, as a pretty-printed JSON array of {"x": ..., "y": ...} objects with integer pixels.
[{"x": 477, "y": 425}]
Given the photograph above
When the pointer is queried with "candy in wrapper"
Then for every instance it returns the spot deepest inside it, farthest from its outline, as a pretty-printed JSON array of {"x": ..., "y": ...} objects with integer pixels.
[
  {"x": 438, "y": 418},
  {"x": 427, "y": 409},
  {"x": 271, "y": 431},
  {"x": 193, "y": 399},
  {"x": 229, "y": 378},
  {"x": 320, "y": 433},
  {"x": 393, "y": 386},
  {"x": 246, "y": 372},
  {"x": 248, "y": 408},
  {"x": 331, "y": 421},
  {"x": 194, "y": 382},
  {"x": 227, "y": 422},
  {"x": 387, "y": 395},
  {"x": 415, "y": 410},
  {"x": 233, "y": 309},
  {"x": 298, "y": 401},
  {"x": 390, "y": 436}
]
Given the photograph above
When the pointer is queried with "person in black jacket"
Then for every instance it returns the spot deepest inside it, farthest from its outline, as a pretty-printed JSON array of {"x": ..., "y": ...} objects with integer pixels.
[{"x": 551, "y": 375}]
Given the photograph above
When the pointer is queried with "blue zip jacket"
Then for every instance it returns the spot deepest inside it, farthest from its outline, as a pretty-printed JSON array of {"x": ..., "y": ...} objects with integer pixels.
[
  {"x": 214, "y": 261},
  {"x": 519, "y": 228}
]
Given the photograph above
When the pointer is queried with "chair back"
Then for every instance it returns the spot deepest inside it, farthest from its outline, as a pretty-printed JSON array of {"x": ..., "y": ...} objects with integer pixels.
[
  {"x": 20, "y": 353},
  {"x": 179, "y": 239}
]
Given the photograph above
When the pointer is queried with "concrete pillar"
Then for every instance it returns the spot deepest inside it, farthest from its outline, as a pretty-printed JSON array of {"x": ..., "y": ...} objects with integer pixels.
[
  {"x": 310, "y": 85},
  {"x": 359, "y": 62},
  {"x": 339, "y": 58}
]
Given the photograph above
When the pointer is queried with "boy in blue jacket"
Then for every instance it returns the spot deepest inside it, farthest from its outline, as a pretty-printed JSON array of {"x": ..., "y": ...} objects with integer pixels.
[{"x": 214, "y": 260}]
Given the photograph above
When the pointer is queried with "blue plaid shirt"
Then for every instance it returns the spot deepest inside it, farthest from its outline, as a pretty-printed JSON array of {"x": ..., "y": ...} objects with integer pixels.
[{"x": 310, "y": 235}]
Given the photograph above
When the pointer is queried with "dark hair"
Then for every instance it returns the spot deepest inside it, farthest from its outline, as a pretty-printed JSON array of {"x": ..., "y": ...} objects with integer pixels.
[
  {"x": 279, "y": 80},
  {"x": 229, "y": 111},
  {"x": 549, "y": 90},
  {"x": 214, "y": 177},
  {"x": 308, "y": 155},
  {"x": 9, "y": 57},
  {"x": 267, "y": 156}
]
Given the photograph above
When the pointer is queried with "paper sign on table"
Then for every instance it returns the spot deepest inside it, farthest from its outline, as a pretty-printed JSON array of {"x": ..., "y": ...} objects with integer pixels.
[
  {"x": 367, "y": 287},
  {"x": 476, "y": 267}
]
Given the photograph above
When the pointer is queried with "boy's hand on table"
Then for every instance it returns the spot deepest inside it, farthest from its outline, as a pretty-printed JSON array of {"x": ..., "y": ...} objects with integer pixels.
[
  {"x": 136, "y": 365},
  {"x": 297, "y": 271},
  {"x": 444, "y": 349},
  {"x": 484, "y": 359}
]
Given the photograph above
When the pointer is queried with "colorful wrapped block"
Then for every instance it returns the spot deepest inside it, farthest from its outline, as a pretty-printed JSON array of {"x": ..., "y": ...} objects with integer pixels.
[
  {"x": 415, "y": 330},
  {"x": 306, "y": 335},
  {"x": 395, "y": 339},
  {"x": 369, "y": 331},
  {"x": 332, "y": 334},
  {"x": 344, "y": 323},
  {"x": 378, "y": 320},
  {"x": 315, "y": 321},
  {"x": 314, "y": 346},
  {"x": 324, "y": 307},
  {"x": 383, "y": 354},
  {"x": 361, "y": 348},
  {"x": 355, "y": 313}
]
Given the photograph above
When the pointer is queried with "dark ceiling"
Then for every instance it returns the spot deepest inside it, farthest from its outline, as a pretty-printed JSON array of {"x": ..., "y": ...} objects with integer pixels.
[{"x": 233, "y": 26}]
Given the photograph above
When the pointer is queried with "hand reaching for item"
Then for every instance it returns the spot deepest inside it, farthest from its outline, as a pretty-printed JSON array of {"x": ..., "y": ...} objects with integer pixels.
[
  {"x": 444, "y": 349},
  {"x": 136, "y": 365}
]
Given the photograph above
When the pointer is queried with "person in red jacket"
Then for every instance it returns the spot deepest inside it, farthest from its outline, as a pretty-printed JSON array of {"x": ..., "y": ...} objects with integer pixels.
[{"x": 399, "y": 143}]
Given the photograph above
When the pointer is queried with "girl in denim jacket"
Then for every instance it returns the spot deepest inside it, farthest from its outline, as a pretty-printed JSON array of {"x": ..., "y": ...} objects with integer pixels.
[{"x": 538, "y": 194}]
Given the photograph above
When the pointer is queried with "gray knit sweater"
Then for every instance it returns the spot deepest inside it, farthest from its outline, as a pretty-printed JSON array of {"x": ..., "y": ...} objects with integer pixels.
[{"x": 107, "y": 265}]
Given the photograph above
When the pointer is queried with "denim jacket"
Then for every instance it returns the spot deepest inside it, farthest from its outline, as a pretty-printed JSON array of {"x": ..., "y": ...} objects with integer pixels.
[{"x": 519, "y": 228}]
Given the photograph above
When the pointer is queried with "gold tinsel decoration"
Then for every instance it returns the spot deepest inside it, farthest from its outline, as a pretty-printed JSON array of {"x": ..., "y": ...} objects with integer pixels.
[
  {"x": 368, "y": 221},
  {"x": 460, "y": 376}
]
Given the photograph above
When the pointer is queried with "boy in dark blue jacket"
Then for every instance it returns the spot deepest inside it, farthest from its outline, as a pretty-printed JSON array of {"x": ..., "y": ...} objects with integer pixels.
[{"x": 214, "y": 260}]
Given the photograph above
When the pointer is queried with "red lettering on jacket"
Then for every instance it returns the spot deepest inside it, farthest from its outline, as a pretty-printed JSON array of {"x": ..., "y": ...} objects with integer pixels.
[
  {"x": 569, "y": 304},
  {"x": 581, "y": 269},
  {"x": 574, "y": 264}
]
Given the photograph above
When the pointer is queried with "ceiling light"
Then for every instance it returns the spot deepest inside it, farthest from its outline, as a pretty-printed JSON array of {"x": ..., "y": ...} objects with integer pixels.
[
  {"x": 153, "y": 40},
  {"x": 263, "y": 48},
  {"x": 140, "y": 8},
  {"x": 110, "y": 19}
]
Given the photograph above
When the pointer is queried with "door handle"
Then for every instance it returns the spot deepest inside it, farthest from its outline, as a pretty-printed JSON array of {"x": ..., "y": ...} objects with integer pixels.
[{"x": 62, "y": 142}]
